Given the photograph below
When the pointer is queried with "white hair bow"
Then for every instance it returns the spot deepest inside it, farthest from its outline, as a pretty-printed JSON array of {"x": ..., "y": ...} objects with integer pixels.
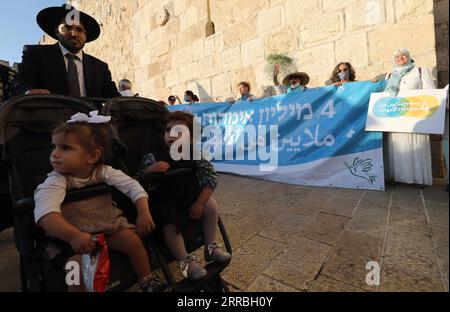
[{"x": 94, "y": 118}]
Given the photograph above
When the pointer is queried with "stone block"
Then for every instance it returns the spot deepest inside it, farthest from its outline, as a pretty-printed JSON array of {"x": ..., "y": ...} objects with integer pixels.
[
  {"x": 209, "y": 46},
  {"x": 160, "y": 49},
  {"x": 198, "y": 49},
  {"x": 179, "y": 6},
  {"x": 285, "y": 227},
  {"x": 368, "y": 219},
  {"x": 188, "y": 18},
  {"x": 341, "y": 206},
  {"x": 209, "y": 66},
  {"x": 384, "y": 40},
  {"x": 182, "y": 56},
  {"x": 250, "y": 260},
  {"x": 269, "y": 20},
  {"x": 353, "y": 49},
  {"x": 408, "y": 220},
  {"x": 297, "y": 11},
  {"x": 247, "y": 11},
  {"x": 221, "y": 85},
  {"x": 325, "y": 228},
  {"x": 239, "y": 32},
  {"x": 309, "y": 206},
  {"x": 331, "y": 27},
  {"x": 145, "y": 58},
  {"x": 396, "y": 279},
  {"x": 283, "y": 41},
  {"x": 365, "y": 14},
  {"x": 231, "y": 58},
  {"x": 171, "y": 78},
  {"x": 148, "y": 88},
  {"x": 409, "y": 8},
  {"x": 320, "y": 59},
  {"x": 246, "y": 73},
  {"x": 214, "y": 44},
  {"x": 412, "y": 252},
  {"x": 300, "y": 264},
  {"x": 188, "y": 71},
  {"x": 154, "y": 37},
  {"x": 153, "y": 69},
  {"x": 222, "y": 13},
  {"x": 349, "y": 270},
  {"x": 252, "y": 51}
]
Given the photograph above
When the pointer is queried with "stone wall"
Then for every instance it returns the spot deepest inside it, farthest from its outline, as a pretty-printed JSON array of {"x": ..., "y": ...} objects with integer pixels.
[
  {"x": 317, "y": 34},
  {"x": 442, "y": 46}
]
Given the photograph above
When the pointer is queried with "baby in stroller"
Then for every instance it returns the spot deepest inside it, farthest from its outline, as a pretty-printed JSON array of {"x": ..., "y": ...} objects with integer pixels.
[
  {"x": 185, "y": 197},
  {"x": 80, "y": 146}
]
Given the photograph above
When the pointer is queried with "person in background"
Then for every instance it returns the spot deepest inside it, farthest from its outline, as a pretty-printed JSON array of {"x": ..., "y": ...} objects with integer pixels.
[
  {"x": 171, "y": 99},
  {"x": 244, "y": 90},
  {"x": 125, "y": 88},
  {"x": 293, "y": 82},
  {"x": 407, "y": 155},
  {"x": 190, "y": 97},
  {"x": 342, "y": 73}
]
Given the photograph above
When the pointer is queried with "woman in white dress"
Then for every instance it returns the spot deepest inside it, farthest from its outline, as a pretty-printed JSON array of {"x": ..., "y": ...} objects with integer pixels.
[{"x": 407, "y": 155}]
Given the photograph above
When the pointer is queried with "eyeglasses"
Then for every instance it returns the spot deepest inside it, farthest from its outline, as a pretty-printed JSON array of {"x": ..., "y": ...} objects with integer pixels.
[
  {"x": 64, "y": 28},
  {"x": 171, "y": 100}
]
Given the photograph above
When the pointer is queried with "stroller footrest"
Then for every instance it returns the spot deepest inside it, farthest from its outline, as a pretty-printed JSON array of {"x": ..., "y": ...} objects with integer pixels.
[{"x": 214, "y": 270}]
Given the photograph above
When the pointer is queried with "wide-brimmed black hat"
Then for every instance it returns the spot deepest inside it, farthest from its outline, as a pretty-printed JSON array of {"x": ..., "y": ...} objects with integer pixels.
[
  {"x": 304, "y": 78},
  {"x": 48, "y": 19}
]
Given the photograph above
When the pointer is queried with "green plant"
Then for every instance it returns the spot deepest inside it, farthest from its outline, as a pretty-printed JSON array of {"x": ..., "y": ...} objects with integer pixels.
[{"x": 287, "y": 64}]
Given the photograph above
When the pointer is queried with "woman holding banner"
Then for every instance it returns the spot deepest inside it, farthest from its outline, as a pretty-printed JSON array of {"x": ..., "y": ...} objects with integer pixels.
[{"x": 407, "y": 155}]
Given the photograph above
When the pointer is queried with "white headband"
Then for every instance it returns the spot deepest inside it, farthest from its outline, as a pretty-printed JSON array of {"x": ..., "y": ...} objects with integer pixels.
[{"x": 94, "y": 119}]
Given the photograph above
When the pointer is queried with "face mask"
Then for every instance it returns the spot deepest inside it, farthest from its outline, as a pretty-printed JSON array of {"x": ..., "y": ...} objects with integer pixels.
[
  {"x": 343, "y": 75},
  {"x": 295, "y": 85},
  {"x": 187, "y": 98}
]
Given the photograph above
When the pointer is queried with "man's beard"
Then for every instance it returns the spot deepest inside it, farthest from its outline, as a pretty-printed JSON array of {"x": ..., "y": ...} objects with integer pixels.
[{"x": 72, "y": 49}]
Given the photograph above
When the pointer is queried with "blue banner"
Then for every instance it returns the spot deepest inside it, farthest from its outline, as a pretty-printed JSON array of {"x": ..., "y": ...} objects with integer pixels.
[{"x": 310, "y": 137}]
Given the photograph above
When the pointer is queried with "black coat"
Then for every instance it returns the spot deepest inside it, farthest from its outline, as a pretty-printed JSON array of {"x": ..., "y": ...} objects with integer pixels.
[{"x": 43, "y": 67}]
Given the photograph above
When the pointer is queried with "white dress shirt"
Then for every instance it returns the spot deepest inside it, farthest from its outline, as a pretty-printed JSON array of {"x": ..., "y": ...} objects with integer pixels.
[{"x": 79, "y": 63}]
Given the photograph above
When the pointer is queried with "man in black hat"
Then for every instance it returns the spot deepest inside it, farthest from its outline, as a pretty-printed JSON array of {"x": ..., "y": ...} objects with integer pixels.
[{"x": 63, "y": 68}]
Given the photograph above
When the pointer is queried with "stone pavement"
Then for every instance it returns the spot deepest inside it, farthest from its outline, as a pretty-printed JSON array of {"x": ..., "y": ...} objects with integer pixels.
[{"x": 296, "y": 238}]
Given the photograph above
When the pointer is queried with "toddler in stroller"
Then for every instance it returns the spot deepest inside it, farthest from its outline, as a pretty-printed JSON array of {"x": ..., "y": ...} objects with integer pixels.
[
  {"x": 79, "y": 147},
  {"x": 186, "y": 197}
]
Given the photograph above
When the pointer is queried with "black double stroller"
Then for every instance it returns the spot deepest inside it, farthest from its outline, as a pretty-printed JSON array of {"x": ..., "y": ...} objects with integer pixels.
[{"x": 26, "y": 124}]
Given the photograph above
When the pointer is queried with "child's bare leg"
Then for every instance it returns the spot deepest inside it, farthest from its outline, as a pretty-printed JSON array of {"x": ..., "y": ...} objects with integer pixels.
[
  {"x": 129, "y": 243},
  {"x": 76, "y": 288},
  {"x": 213, "y": 252},
  {"x": 175, "y": 242},
  {"x": 210, "y": 219}
]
